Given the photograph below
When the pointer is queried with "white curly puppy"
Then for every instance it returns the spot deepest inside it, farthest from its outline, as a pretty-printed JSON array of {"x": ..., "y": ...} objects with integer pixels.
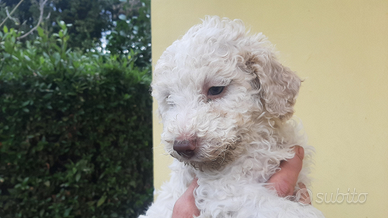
[{"x": 226, "y": 103}]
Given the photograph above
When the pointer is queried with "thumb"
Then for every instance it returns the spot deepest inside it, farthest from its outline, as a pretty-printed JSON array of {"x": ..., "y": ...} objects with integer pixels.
[{"x": 191, "y": 187}]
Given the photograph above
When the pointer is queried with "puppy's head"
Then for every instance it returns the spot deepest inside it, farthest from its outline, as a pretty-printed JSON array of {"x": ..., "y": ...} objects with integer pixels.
[{"x": 218, "y": 90}]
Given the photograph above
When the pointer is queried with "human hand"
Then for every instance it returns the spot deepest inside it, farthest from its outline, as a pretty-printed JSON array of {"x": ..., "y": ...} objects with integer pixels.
[{"x": 285, "y": 179}]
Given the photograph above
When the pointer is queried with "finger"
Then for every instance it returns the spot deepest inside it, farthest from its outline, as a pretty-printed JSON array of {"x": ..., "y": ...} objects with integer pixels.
[
  {"x": 192, "y": 186},
  {"x": 285, "y": 180},
  {"x": 185, "y": 206},
  {"x": 294, "y": 165},
  {"x": 189, "y": 193},
  {"x": 303, "y": 194}
]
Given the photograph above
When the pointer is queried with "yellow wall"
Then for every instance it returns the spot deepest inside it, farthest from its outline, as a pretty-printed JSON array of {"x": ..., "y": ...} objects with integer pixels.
[{"x": 340, "y": 48}]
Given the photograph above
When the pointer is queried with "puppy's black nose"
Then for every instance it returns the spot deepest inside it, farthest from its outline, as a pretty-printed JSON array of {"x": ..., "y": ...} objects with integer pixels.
[{"x": 185, "y": 148}]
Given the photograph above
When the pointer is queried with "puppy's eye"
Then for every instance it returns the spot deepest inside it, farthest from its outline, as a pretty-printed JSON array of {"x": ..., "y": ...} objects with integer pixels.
[{"x": 215, "y": 90}]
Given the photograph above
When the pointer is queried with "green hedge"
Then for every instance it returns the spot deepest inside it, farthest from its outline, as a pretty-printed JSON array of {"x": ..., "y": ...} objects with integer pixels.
[{"x": 75, "y": 131}]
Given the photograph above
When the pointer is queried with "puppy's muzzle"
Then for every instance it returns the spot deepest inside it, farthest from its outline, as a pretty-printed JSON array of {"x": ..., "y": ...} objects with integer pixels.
[{"x": 185, "y": 148}]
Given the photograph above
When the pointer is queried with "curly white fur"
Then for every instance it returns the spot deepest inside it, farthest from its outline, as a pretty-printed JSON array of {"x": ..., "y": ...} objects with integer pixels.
[{"x": 241, "y": 135}]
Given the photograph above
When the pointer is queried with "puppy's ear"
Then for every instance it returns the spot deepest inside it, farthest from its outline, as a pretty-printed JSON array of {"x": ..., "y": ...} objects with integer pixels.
[{"x": 278, "y": 85}]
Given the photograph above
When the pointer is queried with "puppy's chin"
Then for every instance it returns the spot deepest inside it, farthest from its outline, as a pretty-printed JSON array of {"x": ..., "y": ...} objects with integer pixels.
[{"x": 212, "y": 165}]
